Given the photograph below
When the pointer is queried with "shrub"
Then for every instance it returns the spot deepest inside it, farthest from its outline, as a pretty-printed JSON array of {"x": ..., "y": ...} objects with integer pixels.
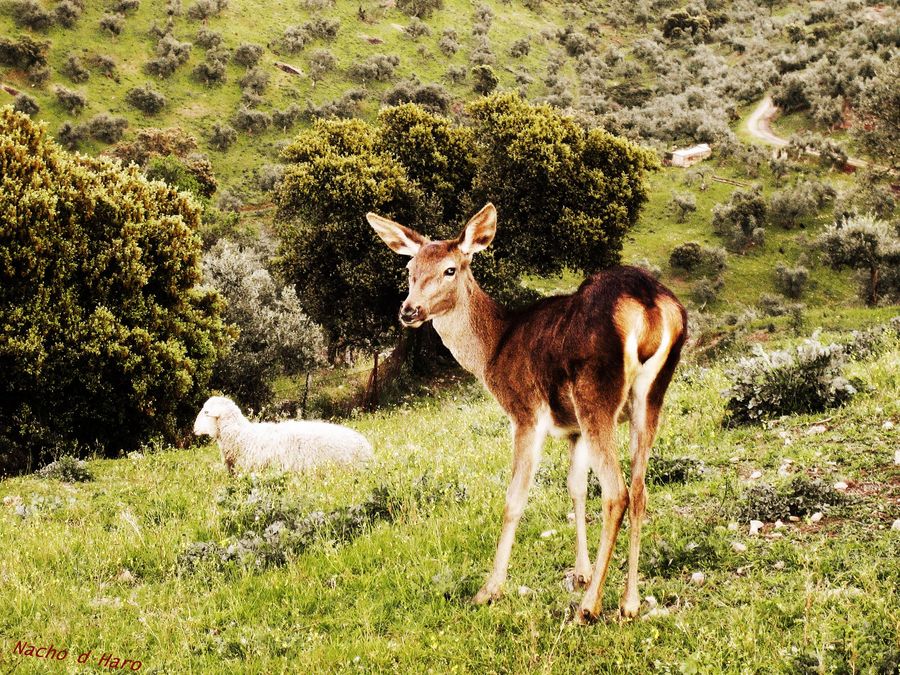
[
  {"x": 276, "y": 337},
  {"x": 295, "y": 38},
  {"x": 210, "y": 72},
  {"x": 800, "y": 497},
  {"x": 484, "y": 79},
  {"x": 67, "y": 469},
  {"x": 113, "y": 24},
  {"x": 25, "y": 104},
  {"x": 807, "y": 379},
  {"x": 687, "y": 256},
  {"x": 684, "y": 204},
  {"x": 346, "y": 106},
  {"x": 170, "y": 53},
  {"x": 432, "y": 97},
  {"x": 740, "y": 221},
  {"x": 520, "y": 47},
  {"x": 419, "y": 8},
  {"x": 322, "y": 29},
  {"x": 108, "y": 279},
  {"x": 481, "y": 53},
  {"x": 73, "y": 101},
  {"x": 222, "y": 136},
  {"x": 706, "y": 291},
  {"x": 456, "y": 74},
  {"x": 230, "y": 202},
  {"x": 285, "y": 119},
  {"x": 247, "y": 54},
  {"x": 321, "y": 61},
  {"x": 146, "y": 99},
  {"x": 449, "y": 42},
  {"x": 268, "y": 176},
  {"x": 251, "y": 121},
  {"x": 75, "y": 70},
  {"x": 380, "y": 68},
  {"x": 107, "y": 128},
  {"x": 66, "y": 13},
  {"x": 30, "y": 14},
  {"x": 208, "y": 38},
  {"x": 791, "y": 281},
  {"x": 650, "y": 268},
  {"x": 175, "y": 172},
  {"x": 255, "y": 80},
  {"x": 106, "y": 65},
  {"x": 25, "y": 54},
  {"x": 125, "y": 6},
  {"x": 416, "y": 29},
  {"x": 206, "y": 9},
  {"x": 71, "y": 135}
]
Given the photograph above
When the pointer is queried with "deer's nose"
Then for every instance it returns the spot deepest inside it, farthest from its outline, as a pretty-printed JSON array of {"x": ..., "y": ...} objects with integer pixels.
[{"x": 408, "y": 313}]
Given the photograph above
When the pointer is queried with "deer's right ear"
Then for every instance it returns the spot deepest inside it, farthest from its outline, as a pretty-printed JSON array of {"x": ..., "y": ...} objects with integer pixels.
[{"x": 399, "y": 239}]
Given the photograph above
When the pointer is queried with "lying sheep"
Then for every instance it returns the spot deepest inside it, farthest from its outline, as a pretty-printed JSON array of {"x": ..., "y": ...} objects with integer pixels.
[{"x": 291, "y": 445}]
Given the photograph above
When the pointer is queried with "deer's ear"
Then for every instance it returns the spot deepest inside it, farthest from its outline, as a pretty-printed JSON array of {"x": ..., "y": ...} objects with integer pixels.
[
  {"x": 479, "y": 232},
  {"x": 399, "y": 239}
]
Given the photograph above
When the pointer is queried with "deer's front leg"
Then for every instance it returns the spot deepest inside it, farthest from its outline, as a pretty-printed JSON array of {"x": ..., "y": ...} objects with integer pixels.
[{"x": 527, "y": 443}]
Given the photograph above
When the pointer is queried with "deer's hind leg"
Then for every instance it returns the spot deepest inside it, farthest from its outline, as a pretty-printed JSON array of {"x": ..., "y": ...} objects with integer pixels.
[{"x": 577, "y": 482}]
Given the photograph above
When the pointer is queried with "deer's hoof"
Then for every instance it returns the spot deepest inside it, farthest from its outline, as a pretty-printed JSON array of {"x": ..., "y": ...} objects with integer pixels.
[
  {"x": 575, "y": 581},
  {"x": 486, "y": 595}
]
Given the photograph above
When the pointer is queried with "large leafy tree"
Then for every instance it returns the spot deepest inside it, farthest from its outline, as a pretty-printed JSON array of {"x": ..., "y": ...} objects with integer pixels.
[
  {"x": 566, "y": 197},
  {"x": 878, "y": 129},
  {"x": 106, "y": 340}
]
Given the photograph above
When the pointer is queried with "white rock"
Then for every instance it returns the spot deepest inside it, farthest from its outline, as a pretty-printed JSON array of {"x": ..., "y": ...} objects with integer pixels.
[
  {"x": 756, "y": 474},
  {"x": 841, "y": 485},
  {"x": 816, "y": 429},
  {"x": 734, "y": 460},
  {"x": 733, "y": 527},
  {"x": 698, "y": 578},
  {"x": 816, "y": 517},
  {"x": 570, "y": 516},
  {"x": 897, "y": 458},
  {"x": 524, "y": 590},
  {"x": 656, "y": 612},
  {"x": 778, "y": 524},
  {"x": 896, "y": 525},
  {"x": 755, "y": 527},
  {"x": 738, "y": 547},
  {"x": 888, "y": 424},
  {"x": 651, "y": 601},
  {"x": 546, "y": 534},
  {"x": 794, "y": 519},
  {"x": 779, "y": 565}
]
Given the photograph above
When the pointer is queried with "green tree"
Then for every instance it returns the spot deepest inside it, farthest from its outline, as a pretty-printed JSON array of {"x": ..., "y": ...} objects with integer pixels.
[
  {"x": 878, "y": 128},
  {"x": 106, "y": 340},
  {"x": 869, "y": 245}
]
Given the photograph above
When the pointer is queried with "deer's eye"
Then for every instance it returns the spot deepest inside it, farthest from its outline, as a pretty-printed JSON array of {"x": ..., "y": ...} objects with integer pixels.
[{"x": 449, "y": 272}]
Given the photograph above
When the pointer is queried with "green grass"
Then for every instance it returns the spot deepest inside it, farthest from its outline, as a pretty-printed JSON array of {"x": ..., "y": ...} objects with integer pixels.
[{"x": 397, "y": 597}]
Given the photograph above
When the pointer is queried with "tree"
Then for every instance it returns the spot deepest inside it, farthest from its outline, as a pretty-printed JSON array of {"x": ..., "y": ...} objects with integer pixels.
[
  {"x": 869, "y": 245},
  {"x": 106, "y": 341},
  {"x": 740, "y": 221},
  {"x": 878, "y": 127},
  {"x": 484, "y": 79},
  {"x": 684, "y": 204}
]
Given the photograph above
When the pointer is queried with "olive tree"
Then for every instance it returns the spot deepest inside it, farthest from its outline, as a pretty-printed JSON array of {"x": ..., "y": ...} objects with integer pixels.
[{"x": 869, "y": 245}]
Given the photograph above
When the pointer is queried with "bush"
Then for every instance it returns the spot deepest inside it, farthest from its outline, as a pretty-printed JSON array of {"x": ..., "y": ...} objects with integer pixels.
[
  {"x": 67, "y": 469},
  {"x": 222, "y": 136},
  {"x": 255, "y": 80},
  {"x": 268, "y": 176},
  {"x": 206, "y": 9},
  {"x": 706, "y": 291},
  {"x": 170, "y": 53},
  {"x": 740, "y": 222},
  {"x": 432, "y": 97},
  {"x": 276, "y": 337},
  {"x": 113, "y": 24},
  {"x": 416, "y": 29},
  {"x": 146, "y": 99},
  {"x": 807, "y": 379},
  {"x": 25, "y": 104},
  {"x": 520, "y": 47},
  {"x": 419, "y": 8},
  {"x": 73, "y": 101},
  {"x": 71, "y": 135},
  {"x": 247, "y": 54},
  {"x": 285, "y": 119},
  {"x": 869, "y": 245},
  {"x": 108, "y": 279},
  {"x": 684, "y": 203},
  {"x": 802, "y": 496},
  {"x": 322, "y": 29},
  {"x": 456, "y": 74},
  {"x": 687, "y": 256},
  {"x": 210, "y": 72},
  {"x": 208, "y": 39},
  {"x": 321, "y": 61},
  {"x": 107, "y": 128},
  {"x": 449, "y": 42},
  {"x": 791, "y": 281},
  {"x": 251, "y": 121},
  {"x": 106, "y": 65},
  {"x": 379, "y": 68},
  {"x": 75, "y": 70},
  {"x": 484, "y": 80},
  {"x": 25, "y": 54},
  {"x": 67, "y": 13},
  {"x": 125, "y": 6},
  {"x": 295, "y": 38},
  {"x": 30, "y": 14}
]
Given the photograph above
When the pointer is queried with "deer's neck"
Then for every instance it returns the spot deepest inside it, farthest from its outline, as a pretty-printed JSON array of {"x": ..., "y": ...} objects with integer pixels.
[{"x": 472, "y": 329}]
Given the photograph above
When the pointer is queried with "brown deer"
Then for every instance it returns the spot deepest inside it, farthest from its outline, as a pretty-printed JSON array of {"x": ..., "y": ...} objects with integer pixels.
[{"x": 568, "y": 365}]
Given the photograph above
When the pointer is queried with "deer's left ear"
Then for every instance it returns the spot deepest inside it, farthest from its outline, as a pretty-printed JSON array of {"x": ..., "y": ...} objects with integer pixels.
[
  {"x": 479, "y": 232},
  {"x": 399, "y": 239}
]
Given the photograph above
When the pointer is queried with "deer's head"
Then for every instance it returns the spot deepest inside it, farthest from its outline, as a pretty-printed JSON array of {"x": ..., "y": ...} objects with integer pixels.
[{"x": 439, "y": 270}]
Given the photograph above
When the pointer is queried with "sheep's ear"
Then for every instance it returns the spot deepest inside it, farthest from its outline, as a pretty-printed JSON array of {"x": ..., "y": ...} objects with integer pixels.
[
  {"x": 399, "y": 239},
  {"x": 479, "y": 232}
]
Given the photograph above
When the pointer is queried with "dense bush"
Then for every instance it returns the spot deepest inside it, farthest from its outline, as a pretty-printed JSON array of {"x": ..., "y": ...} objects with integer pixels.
[
  {"x": 106, "y": 65},
  {"x": 107, "y": 128},
  {"x": 294, "y": 39},
  {"x": 73, "y": 101},
  {"x": 484, "y": 79},
  {"x": 251, "y": 121},
  {"x": 419, "y": 8},
  {"x": 286, "y": 118},
  {"x": 379, "y": 68},
  {"x": 869, "y": 245},
  {"x": 208, "y": 38},
  {"x": 416, "y": 29},
  {"x": 206, "y": 9},
  {"x": 321, "y": 61},
  {"x": 146, "y": 99},
  {"x": 800, "y": 497},
  {"x": 520, "y": 47},
  {"x": 449, "y": 42},
  {"x": 684, "y": 203},
  {"x": 807, "y": 379},
  {"x": 456, "y": 74},
  {"x": 345, "y": 106},
  {"x": 276, "y": 337},
  {"x": 255, "y": 80},
  {"x": 106, "y": 341},
  {"x": 67, "y": 469},
  {"x": 322, "y": 29},
  {"x": 211, "y": 71},
  {"x": 67, "y": 13},
  {"x": 247, "y": 54},
  {"x": 31, "y": 14},
  {"x": 791, "y": 281},
  {"x": 740, "y": 221},
  {"x": 879, "y": 112},
  {"x": 28, "y": 55},
  {"x": 74, "y": 69},
  {"x": 170, "y": 53},
  {"x": 113, "y": 24},
  {"x": 25, "y": 104},
  {"x": 706, "y": 290},
  {"x": 687, "y": 256},
  {"x": 432, "y": 97},
  {"x": 222, "y": 136}
]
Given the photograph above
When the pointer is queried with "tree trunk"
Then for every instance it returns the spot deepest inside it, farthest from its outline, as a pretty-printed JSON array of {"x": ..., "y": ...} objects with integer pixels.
[{"x": 873, "y": 286}]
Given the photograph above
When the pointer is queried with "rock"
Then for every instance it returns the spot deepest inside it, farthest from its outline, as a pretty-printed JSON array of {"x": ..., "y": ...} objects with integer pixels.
[
  {"x": 888, "y": 424},
  {"x": 570, "y": 516},
  {"x": 125, "y": 576},
  {"x": 698, "y": 578},
  {"x": 816, "y": 429},
  {"x": 841, "y": 485},
  {"x": 655, "y": 613},
  {"x": 524, "y": 590},
  {"x": 794, "y": 519},
  {"x": 651, "y": 601},
  {"x": 779, "y": 565},
  {"x": 756, "y": 474},
  {"x": 755, "y": 527},
  {"x": 778, "y": 524},
  {"x": 738, "y": 547},
  {"x": 897, "y": 457},
  {"x": 546, "y": 534},
  {"x": 816, "y": 517},
  {"x": 733, "y": 527},
  {"x": 896, "y": 525}
]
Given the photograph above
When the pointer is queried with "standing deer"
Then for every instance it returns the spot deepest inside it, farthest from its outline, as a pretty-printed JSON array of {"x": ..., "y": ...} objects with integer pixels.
[{"x": 567, "y": 365}]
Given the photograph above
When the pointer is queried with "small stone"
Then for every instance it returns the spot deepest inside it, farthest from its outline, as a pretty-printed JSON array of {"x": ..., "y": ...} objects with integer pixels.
[
  {"x": 655, "y": 613},
  {"x": 888, "y": 424},
  {"x": 778, "y": 524},
  {"x": 698, "y": 578},
  {"x": 896, "y": 525},
  {"x": 755, "y": 527},
  {"x": 779, "y": 565},
  {"x": 816, "y": 429},
  {"x": 546, "y": 534},
  {"x": 524, "y": 590},
  {"x": 125, "y": 576},
  {"x": 816, "y": 517},
  {"x": 776, "y": 535},
  {"x": 570, "y": 516},
  {"x": 738, "y": 547},
  {"x": 12, "y": 500},
  {"x": 651, "y": 601},
  {"x": 794, "y": 519},
  {"x": 734, "y": 460},
  {"x": 733, "y": 527},
  {"x": 841, "y": 485},
  {"x": 897, "y": 457}
]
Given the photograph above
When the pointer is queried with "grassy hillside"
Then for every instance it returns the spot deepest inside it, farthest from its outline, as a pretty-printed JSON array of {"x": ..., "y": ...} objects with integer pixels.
[{"x": 97, "y": 565}]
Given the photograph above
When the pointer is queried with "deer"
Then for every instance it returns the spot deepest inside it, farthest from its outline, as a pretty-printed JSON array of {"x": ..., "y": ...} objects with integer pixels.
[{"x": 570, "y": 366}]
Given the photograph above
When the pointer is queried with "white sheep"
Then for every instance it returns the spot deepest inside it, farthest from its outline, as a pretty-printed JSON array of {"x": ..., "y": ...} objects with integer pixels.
[{"x": 292, "y": 445}]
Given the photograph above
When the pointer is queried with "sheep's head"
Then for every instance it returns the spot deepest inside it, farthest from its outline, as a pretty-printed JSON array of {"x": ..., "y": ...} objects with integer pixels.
[{"x": 216, "y": 408}]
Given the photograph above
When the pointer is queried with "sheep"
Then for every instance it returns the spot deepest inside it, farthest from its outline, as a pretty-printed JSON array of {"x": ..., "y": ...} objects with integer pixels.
[{"x": 292, "y": 445}]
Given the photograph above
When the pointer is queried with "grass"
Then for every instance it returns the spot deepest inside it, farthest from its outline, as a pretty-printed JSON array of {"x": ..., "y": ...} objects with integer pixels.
[{"x": 822, "y": 596}]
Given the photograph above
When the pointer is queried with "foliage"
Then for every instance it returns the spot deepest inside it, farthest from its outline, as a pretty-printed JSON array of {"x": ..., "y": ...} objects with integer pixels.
[
  {"x": 431, "y": 97},
  {"x": 67, "y": 469},
  {"x": 791, "y": 281},
  {"x": 449, "y": 42},
  {"x": 687, "y": 256},
  {"x": 740, "y": 221},
  {"x": 170, "y": 53},
  {"x": 800, "y": 497},
  {"x": 379, "y": 68},
  {"x": 25, "y": 104},
  {"x": 107, "y": 342},
  {"x": 248, "y": 54},
  {"x": 807, "y": 379},
  {"x": 484, "y": 79},
  {"x": 787, "y": 207},
  {"x": 321, "y": 61},
  {"x": 222, "y": 136},
  {"x": 202, "y": 10},
  {"x": 74, "y": 69},
  {"x": 419, "y": 8},
  {"x": 30, "y": 14},
  {"x": 878, "y": 129},
  {"x": 684, "y": 204},
  {"x": 275, "y": 336},
  {"x": 73, "y": 101},
  {"x": 147, "y": 99},
  {"x": 113, "y": 24},
  {"x": 869, "y": 245}
]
